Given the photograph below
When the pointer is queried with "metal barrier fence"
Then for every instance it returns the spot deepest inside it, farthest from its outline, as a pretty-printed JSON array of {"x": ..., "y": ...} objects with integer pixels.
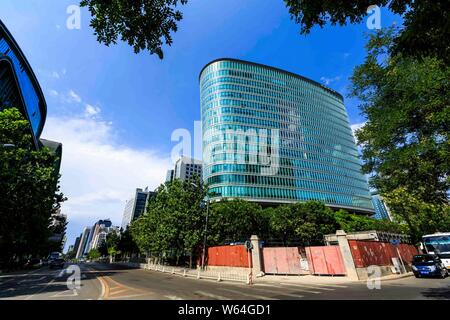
[{"x": 236, "y": 274}]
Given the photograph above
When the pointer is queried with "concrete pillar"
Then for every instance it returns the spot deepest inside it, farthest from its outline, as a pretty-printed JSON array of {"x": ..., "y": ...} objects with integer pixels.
[
  {"x": 346, "y": 255},
  {"x": 256, "y": 256}
]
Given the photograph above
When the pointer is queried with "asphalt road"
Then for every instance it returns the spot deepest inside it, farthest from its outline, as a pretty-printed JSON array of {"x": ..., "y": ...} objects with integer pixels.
[{"x": 112, "y": 282}]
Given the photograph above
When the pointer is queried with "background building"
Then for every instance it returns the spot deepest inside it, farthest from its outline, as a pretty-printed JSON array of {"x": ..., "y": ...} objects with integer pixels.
[
  {"x": 136, "y": 206},
  {"x": 185, "y": 168},
  {"x": 170, "y": 175},
  {"x": 76, "y": 244},
  {"x": 316, "y": 154},
  {"x": 381, "y": 209},
  {"x": 95, "y": 230},
  {"x": 83, "y": 242}
]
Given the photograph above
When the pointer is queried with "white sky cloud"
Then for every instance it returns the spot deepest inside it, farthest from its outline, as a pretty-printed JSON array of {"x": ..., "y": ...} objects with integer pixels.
[
  {"x": 98, "y": 174},
  {"x": 328, "y": 81},
  {"x": 72, "y": 96},
  {"x": 53, "y": 93},
  {"x": 91, "y": 110}
]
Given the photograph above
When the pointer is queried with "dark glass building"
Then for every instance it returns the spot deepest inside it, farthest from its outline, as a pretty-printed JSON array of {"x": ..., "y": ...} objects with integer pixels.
[
  {"x": 271, "y": 136},
  {"x": 18, "y": 84},
  {"x": 19, "y": 88}
]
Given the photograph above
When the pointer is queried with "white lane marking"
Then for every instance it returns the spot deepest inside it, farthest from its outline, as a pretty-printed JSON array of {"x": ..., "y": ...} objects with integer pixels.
[
  {"x": 278, "y": 287},
  {"x": 173, "y": 298},
  {"x": 46, "y": 286},
  {"x": 213, "y": 296},
  {"x": 31, "y": 280},
  {"x": 254, "y": 296},
  {"x": 332, "y": 285},
  {"x": 309, "y": 287},
  {"x": 73, "y": 293},
  {"x": 291, "y": 295},
  {"x": 61, "y": 274}
]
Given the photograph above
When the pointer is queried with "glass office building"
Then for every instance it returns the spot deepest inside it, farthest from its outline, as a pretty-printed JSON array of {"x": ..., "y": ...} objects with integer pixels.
[
  {"x": 18, "y": 85},
  {"x": 271, "y": 136},
  {"x": 381, "y": 209}
]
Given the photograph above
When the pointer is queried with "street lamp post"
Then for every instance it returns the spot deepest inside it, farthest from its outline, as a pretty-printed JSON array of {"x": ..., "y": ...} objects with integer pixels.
[
  {"x": 206, "y": 228},
  {"x": 206, "y": 235}
]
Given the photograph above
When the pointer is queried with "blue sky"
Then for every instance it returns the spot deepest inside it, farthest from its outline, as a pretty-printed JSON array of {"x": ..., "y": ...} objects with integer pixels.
[{"x": 115, "y": 111}]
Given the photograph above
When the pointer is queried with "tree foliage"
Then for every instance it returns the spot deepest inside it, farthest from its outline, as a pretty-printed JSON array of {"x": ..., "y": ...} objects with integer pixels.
[
  {"x": 174, "y": 221},
  {"x": 235, "y": 220},
  {"x": 405, "y": 141},
  {"x": 425, "y": 29},
  {"x": 143, "y": 24},
  {"x": 420, "y": 217},
  {"x": 94, "y": 254},
  {"x": 29, "y": 191}
]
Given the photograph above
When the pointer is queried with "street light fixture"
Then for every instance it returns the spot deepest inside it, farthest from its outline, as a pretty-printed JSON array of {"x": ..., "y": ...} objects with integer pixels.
[
  {"x": 206, "y": 228},
  {"x": 8, "y": 146}
]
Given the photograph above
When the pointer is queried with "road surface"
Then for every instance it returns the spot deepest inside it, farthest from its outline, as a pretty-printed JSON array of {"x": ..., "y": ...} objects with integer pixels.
[{"x": 113, "y": 282}]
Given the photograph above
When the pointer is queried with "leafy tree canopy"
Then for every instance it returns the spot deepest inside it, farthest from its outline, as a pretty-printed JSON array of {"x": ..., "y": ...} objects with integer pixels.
[
  {"x": 405, "y": 141},
  {"x": 143, "y": 24},
  {"x": 29, "y": 191}
]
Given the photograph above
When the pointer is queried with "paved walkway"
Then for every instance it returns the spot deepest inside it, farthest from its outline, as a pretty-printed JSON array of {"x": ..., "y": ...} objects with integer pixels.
[{"x": 310, "y": 279}]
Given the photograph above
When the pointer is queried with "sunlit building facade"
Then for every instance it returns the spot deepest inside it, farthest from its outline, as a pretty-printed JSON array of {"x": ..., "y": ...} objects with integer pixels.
[{"x": 271, "y": 136}]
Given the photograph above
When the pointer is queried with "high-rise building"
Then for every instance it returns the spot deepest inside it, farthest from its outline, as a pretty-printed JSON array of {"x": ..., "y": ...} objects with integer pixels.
[
  {"x": 170, "y": 175},
  {"x": 96, "y": 228},
  {"x": 136, "y": 206},
  {"x": 185, "y": 168},
  {"x": 381, "y": 209},
  {"x": 272, "y": 136},
  {"x": 77, "y": 244},
  {"x": 83, "y": 242}
]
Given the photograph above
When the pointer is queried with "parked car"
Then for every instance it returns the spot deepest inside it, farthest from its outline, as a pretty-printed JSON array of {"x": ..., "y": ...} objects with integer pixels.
[
  {"x": 428, "y": 265},
  {"x": 57, "y": 263}
]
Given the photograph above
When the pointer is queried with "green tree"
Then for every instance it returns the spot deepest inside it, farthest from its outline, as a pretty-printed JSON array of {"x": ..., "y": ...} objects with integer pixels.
[
  {"x": 112, "y": 245},
  {"x": 173, "y": 223},
  {"x": 420, "y": 217},
  {"x": 103, "y": 249},
  {"x": 425, "y": 29},
  {"x": 353, "y": 223},
  {"x": 234, "y": 220},
  {"x": 126, "y": 245},
  {"x": 29, "y": 191},
  {"x": 143, "y": 24},
  {"x": 405, "y": 141},
  {"x": 94, "y": 254}
]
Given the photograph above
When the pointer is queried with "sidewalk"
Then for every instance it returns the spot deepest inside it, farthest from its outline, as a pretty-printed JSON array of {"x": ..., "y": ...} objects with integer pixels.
[{"x": 319, "y": 280}]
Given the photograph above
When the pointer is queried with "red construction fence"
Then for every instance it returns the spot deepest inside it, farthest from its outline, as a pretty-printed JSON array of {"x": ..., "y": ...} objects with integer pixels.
[
  {"x": 367, "y": 253},
  {"x": 282, "y": 260},
  {"x": 325, "y": 260},
  {"x": 229, "y": 256}
]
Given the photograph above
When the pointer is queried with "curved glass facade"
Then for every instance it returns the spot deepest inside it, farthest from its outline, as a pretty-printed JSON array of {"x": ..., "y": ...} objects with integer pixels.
[
  {"x": 18, "y": 84},
  {"x": 271, "y": 136}
]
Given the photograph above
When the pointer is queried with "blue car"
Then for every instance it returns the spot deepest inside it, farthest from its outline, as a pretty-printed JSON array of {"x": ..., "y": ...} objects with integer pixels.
[{"x": 428, "y": 265}]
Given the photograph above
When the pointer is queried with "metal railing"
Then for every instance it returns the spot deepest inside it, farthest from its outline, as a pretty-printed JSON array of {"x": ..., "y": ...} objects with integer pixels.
[{"x": 220, "y": 274}]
